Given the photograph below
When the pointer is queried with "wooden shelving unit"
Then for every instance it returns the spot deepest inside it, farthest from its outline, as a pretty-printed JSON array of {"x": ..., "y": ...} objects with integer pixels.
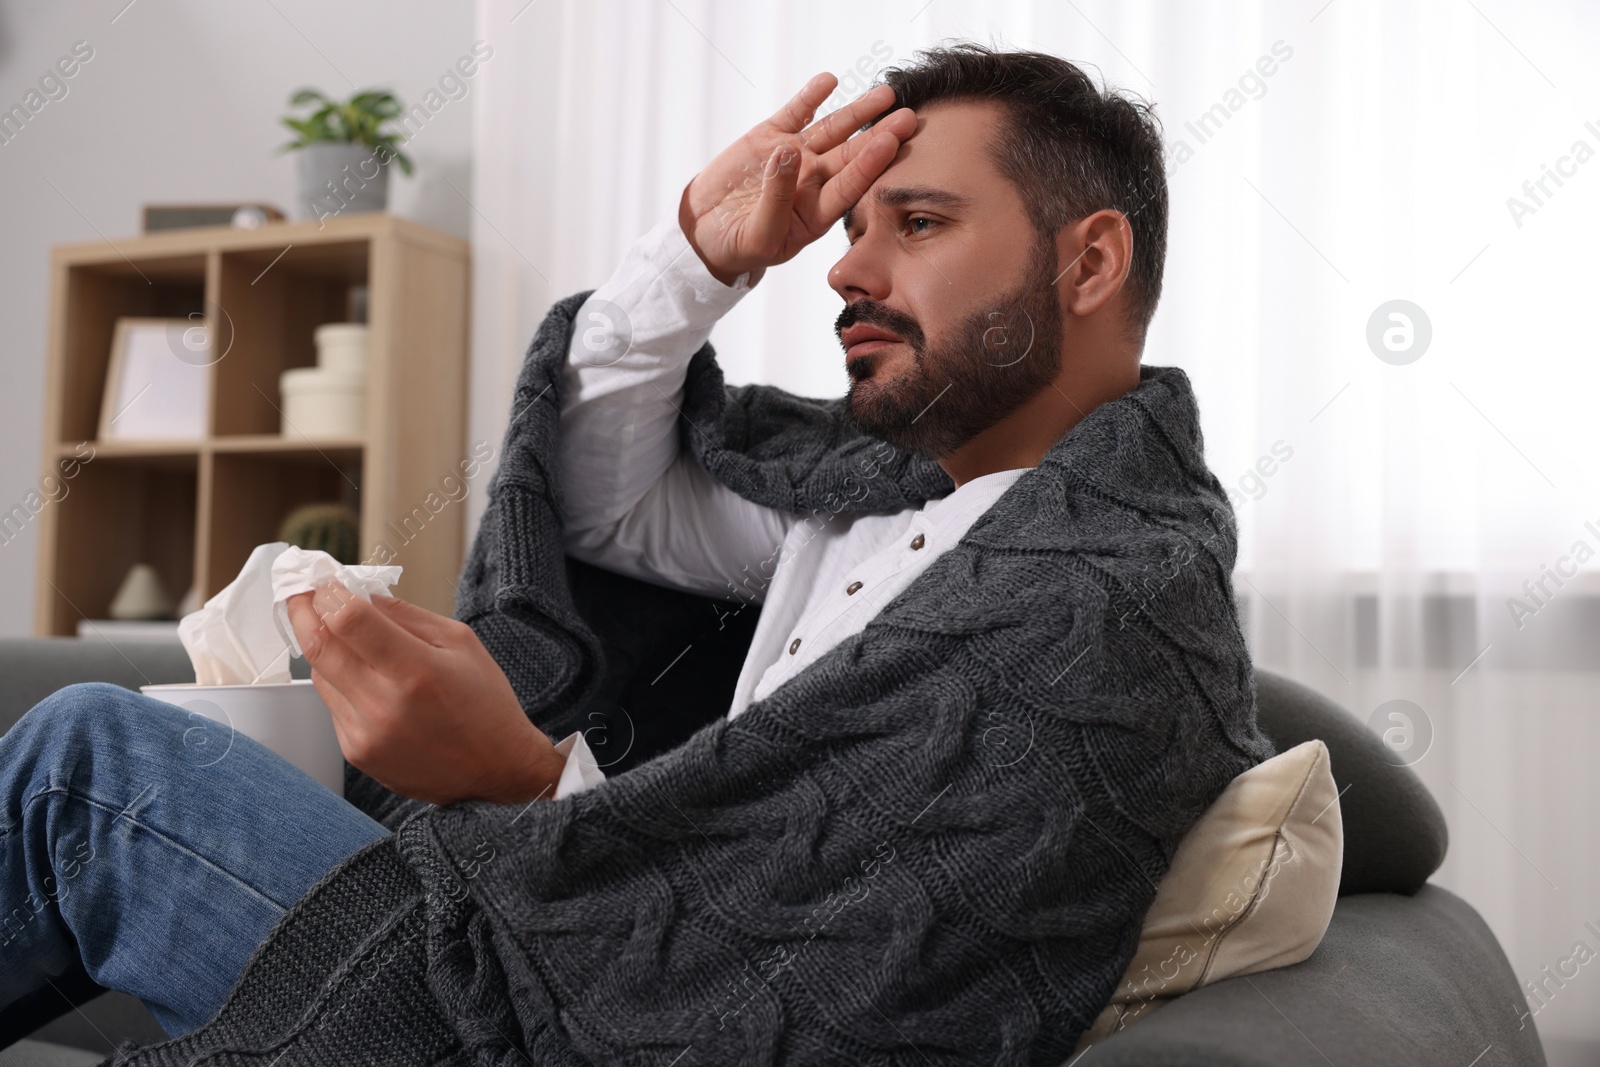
[{"x": 195, "y": 509}]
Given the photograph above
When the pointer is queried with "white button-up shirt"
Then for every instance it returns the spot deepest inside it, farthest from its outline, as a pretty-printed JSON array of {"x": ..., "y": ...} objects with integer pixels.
[{"x": 639, "y": 505}]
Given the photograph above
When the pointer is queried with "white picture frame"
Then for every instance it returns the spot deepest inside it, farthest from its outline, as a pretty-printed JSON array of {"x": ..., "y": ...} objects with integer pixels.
[{"x": 158, "y": 381}]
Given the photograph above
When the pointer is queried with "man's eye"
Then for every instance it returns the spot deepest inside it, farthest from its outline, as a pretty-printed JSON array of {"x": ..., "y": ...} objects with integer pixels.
[{"x": 913, "y": 222}]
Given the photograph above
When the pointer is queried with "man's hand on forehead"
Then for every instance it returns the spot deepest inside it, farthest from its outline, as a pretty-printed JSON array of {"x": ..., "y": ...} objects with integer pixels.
[{"x": 786, "y": 181}]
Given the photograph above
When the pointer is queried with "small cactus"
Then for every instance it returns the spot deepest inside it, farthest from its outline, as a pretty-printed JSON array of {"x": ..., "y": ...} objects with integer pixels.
[{"x": 332, "y": 528}]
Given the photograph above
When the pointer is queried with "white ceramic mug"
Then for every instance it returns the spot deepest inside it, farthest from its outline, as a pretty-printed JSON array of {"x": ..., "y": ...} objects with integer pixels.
[{"x": 288, "y": 717}]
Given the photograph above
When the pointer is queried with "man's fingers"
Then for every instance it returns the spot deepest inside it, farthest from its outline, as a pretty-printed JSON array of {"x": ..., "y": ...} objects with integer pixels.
[
  {"x": 901, "y": 123},
  {"x": 367, "y": 631},
  {"x": 347, "y": 722},
  {"x": 302, "y": 619},
  {"x": 834, "y": 128},
  {"x": 325, "y": 651},
  {"x": 774, "y": 212},
  {"x": 419, "y": 621},
  {"x": 793, "y": 115},
  {"x": 841, "y": 191}
]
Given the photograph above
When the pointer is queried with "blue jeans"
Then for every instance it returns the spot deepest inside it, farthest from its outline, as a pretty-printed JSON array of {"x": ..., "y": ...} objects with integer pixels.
[{"x": 152, "y": 847}]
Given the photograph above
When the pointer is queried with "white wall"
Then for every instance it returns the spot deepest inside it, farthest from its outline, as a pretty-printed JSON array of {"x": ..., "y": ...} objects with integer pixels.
[{"x": 180, "y": 103}]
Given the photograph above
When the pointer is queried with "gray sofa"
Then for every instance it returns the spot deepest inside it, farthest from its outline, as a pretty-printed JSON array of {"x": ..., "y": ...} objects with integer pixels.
[{"x": 1408, "y": 973}]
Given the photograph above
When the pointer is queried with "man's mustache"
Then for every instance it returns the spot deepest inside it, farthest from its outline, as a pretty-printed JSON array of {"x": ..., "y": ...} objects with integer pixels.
[{"x": 872, "y": 313}]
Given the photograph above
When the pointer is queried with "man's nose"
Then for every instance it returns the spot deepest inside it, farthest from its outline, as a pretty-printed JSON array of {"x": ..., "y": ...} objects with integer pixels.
[{"x": 863, "y": 272}]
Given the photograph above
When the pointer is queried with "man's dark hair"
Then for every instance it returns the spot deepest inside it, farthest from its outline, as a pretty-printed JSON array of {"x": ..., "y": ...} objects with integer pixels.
[{"x": 1069, "y": 148}]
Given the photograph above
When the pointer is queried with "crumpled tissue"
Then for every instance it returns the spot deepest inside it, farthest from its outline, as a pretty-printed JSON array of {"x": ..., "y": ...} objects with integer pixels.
[{"x": 242, "y": 635}]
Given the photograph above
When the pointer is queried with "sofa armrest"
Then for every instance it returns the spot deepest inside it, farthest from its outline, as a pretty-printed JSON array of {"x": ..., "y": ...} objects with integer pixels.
[
  {"x": 31, "y": 668},
  {"x": 1397, "y": 980}
]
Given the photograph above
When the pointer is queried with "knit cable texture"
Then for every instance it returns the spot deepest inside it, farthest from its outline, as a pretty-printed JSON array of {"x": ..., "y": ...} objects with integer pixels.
[{"x": 936, "y": 844}]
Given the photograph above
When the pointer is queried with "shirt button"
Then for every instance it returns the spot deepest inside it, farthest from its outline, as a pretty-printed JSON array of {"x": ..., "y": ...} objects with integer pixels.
[
  {"x": 918, "y": 541},
  {"x": 852, "y": 589},
  {"x": 794, "y": 646}
]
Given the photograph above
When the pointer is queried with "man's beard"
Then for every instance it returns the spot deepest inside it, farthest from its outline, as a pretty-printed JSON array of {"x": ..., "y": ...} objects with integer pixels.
[{"x": 995, "y": 361}]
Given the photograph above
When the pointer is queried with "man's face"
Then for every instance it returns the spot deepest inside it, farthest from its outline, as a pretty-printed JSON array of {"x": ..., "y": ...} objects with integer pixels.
[{"x": 951, "y": 318}]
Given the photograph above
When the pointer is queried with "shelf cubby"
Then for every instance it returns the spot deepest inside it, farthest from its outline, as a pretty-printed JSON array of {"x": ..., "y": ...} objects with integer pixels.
[
  {"x": 195, "y": 509},
  {"x": 119, "y": 510},
  {"x": 268, "y": 305},
  {"x": 98, "y": 294},
  {"x": 251, "y": 492}
]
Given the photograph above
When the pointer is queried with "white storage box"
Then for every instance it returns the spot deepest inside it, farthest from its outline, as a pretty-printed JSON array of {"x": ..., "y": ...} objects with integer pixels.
[
  {"x": 318, "y": 402},
  {"x": 342, "y": 347}
]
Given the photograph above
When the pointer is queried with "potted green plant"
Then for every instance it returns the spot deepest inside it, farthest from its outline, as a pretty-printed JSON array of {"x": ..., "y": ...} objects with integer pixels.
[{"x": 344, "y": 150}]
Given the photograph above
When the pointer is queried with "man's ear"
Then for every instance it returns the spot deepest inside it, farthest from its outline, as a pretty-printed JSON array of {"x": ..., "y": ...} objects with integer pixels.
[{"x": 1093, "y": 256}]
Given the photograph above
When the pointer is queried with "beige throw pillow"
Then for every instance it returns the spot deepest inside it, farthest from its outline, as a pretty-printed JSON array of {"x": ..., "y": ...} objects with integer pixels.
[{"x": 1252, "y": 887}]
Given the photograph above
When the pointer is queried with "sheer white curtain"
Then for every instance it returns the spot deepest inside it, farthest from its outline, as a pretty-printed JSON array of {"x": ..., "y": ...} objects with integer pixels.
[{"x": 1326, "y": 160}]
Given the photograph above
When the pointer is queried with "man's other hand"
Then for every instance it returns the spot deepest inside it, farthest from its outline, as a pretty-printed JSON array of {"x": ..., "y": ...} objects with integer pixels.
[
  {"x": 418, "y": 702},
  {"x": 780, "y": 186}
]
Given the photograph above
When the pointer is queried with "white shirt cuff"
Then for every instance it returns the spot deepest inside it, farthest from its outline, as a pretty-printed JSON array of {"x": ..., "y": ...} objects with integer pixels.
[{"x": 669, "y": 249}]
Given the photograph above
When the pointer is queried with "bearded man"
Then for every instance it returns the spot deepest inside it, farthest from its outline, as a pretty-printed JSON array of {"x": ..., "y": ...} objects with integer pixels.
[{"x": 881, "y": 716}]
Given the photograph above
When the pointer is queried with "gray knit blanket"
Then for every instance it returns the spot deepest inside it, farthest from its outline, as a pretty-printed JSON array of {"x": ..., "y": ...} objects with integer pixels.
[{"x": 936, "y": 845}]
